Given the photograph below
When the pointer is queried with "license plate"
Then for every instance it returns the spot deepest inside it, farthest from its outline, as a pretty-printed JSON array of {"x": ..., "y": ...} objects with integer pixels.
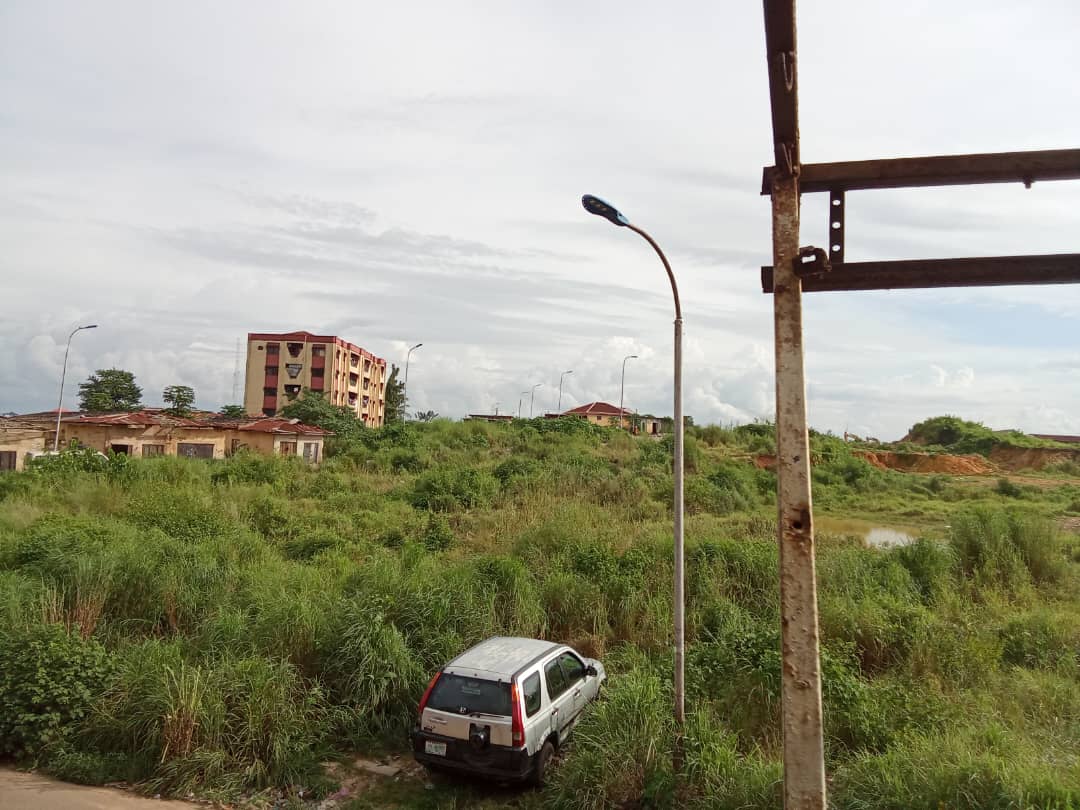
[{"x": 436, "y": 748}]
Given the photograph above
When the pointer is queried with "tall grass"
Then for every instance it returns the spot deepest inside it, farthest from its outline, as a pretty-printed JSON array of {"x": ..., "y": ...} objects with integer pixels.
[{"x": 254, "y": 615}]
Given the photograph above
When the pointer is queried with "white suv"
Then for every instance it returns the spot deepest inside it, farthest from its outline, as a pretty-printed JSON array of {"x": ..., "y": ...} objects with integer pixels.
[{"x": 502, "y": 708}]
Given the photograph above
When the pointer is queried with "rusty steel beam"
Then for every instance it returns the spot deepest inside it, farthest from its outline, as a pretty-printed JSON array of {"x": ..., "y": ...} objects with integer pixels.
[
  {"x": 990, "y": 271},
  {"x": 946, "y": 170},
  {"x": 783, "y": 89}
]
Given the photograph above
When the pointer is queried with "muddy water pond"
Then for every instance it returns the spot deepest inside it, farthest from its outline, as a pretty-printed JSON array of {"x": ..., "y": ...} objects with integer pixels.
[{"x": 873, "y": 534}]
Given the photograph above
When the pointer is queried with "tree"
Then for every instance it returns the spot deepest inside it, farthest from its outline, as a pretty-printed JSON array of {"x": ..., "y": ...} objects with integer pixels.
[
  {"x": 179, "y": 398},
  {"x": 110, "y": 389},
  {"x": 395, "y": 397},
  {"x": 315, "y": 409},
  {"x": 425, "y": 416},
  {"x": 233, "y": 411}
]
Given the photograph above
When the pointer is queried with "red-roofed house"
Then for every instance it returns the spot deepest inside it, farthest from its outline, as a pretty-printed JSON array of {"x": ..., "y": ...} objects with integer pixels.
[{"x": 604, "y": 413}]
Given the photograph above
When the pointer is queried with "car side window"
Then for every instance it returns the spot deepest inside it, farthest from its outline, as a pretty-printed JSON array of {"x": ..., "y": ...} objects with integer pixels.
[
  {"x": 531, "y": 688},
  {"x": 572, "y": 668},
  {"x": 556, "y": 681}
]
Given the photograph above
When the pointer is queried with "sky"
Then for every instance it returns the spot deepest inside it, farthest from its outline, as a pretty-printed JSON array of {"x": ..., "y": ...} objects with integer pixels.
[{"x": 394, "y": 173}]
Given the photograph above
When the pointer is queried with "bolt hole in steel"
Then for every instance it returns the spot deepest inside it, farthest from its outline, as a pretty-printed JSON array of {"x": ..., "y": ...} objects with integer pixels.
[
  {"x": 836, "y": 226},
  {"x": 836, "y": 203},
  {"x": 836, "y": 248}
]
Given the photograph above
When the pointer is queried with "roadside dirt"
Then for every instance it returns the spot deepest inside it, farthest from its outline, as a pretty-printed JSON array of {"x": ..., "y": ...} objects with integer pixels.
[{"x": 20, "y": 790}]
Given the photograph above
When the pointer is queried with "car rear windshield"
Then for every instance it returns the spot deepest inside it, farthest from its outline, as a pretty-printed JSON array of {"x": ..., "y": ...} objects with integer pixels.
[{"x": 461, "y": 695}]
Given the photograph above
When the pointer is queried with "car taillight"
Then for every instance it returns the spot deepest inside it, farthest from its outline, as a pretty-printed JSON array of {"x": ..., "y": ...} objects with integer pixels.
[
  {"x": 427, "y": 693},
  {"x": 517, "y": 727}
]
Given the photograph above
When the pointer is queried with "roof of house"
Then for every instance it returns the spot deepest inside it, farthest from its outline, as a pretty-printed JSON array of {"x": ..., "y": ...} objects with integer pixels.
[
  {"x": 289, "y": 426},
  {"x": 138, "y": 419},
  {"x": 597, "y": 409},
  {"x": 157, "y": 418}
]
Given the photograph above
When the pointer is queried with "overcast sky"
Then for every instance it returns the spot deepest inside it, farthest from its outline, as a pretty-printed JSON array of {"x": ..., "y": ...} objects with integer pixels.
[{"x": 394, "y": 173}]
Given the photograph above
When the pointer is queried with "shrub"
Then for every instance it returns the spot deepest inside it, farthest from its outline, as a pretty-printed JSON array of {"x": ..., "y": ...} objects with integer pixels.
[
  {"x": 48, "y": 680},
  {"x": 516, "y": 468},
  {"x": 446, "y": 488},
  {"x": 1007, "y": 488},
  {"x": 437, "y": 534},
  {"x": 1042, "y": 639}
]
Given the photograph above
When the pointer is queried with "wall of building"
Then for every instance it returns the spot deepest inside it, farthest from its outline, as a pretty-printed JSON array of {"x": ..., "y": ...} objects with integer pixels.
[
  {"x": 136, "y": 439},
  {"x": 348, "y": 374},
  {"x": 21, "y": 441}
]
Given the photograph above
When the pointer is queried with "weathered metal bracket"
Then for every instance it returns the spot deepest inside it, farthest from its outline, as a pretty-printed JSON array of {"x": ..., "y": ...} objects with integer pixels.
[
  {"x": 917, "y": 274},
  {"x": 812, "y": 262}
]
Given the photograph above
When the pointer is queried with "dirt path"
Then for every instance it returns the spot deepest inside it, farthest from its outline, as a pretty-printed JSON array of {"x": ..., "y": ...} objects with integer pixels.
[{"x": 32, "y": 791}]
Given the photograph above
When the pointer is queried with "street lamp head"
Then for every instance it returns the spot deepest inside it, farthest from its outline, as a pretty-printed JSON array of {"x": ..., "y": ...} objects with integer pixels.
[
  {"x": 417, "y": 346},
  {"x": 571, "y": 371},
  {"x": 89, "y": 326},
  {"x": 594, "y": 205}
]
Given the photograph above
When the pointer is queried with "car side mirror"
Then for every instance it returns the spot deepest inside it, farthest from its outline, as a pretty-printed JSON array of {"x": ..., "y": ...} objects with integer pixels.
[{"x": 590, "y": 671}]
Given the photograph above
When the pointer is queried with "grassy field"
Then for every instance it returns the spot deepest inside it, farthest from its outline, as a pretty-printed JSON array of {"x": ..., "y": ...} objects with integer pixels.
[{"x": 225, "y": 627}]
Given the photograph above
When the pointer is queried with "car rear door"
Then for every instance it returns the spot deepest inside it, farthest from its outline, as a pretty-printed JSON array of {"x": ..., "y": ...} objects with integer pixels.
[
  {"x": 560, "y": 698},
  {"x": 458, "y": 703}
]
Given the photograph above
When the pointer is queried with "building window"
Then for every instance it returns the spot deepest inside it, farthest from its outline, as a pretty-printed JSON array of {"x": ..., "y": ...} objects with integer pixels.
[
  {"x": 269, "y": 411},
  {"x": 151, "y": 450},
  {"x": 317, "y": 372},
  {"x": 271, "y": 371},
  {"x": 291, "y": 391},
  {"x": 295, "y": 349},
  {"x": 287, "y": 448},
  {"x": 311, "y": 452},
  {"x": 318, "y": 351},
  {"x": 8, "y": 460},
  {"x": 269, "y": 392},
  {"x": 195, "y": 450},
  {"x": 273, "y": 348}
]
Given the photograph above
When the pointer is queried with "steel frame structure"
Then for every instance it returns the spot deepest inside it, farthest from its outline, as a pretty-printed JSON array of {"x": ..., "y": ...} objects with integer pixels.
[{"x": 796, "y": 270}]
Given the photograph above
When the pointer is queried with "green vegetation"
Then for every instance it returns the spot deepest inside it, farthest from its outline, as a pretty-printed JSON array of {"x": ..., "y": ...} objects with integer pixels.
[
  {"x": 955, "y": 435},
  {"x": 221, "y": 627},
  {"x": 108, "y": 390},
  {"x": 179, "y": 398}
]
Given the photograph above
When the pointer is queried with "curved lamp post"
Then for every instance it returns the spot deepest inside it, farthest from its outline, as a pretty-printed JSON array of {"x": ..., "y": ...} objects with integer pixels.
[
  {"x": 520, "y": 397},
  {"x": 594, "y": 205},
  {"x": 622, "y": 386},
  {"x": 532, "y": 393},
  {"x": 558, "y": 408},
  {"x": 405, "y": 389},
  {"x": 63, "y": 373}
]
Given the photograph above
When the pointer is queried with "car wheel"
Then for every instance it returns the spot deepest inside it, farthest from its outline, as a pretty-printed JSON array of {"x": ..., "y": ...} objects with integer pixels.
[{"x": 543, "y": 762}]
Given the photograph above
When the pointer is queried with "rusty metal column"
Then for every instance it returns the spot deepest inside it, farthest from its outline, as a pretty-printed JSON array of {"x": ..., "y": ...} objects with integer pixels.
[{"x": 804, "y": 761}]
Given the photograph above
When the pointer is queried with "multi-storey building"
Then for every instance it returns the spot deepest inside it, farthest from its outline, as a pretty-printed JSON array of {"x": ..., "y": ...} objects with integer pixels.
[{"x": 280, "y": 367}]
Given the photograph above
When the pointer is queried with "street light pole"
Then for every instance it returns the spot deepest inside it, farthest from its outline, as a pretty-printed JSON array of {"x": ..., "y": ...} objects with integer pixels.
[
  {"x": 63, "y": 374},
  {"x": 405, "y": 389},
  {"x": 594, "y": 205},
  {"x": 520, "y": 396},
  {"x": 558, "y": 408},
  {"x": 622, "y": 386},
  {"x": 532, "y": 393}
]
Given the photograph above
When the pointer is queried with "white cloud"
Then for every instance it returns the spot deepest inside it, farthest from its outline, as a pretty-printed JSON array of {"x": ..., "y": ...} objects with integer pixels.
[{"x": 183, "y": 176}]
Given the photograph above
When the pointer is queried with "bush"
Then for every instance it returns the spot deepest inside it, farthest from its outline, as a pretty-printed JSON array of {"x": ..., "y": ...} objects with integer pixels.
[
  {"x": 48, "y": 679},
  {"x": 1042, "y": 639},
  {"x": 447, "y": 488},
  {"x": 437, "y": 534}
]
